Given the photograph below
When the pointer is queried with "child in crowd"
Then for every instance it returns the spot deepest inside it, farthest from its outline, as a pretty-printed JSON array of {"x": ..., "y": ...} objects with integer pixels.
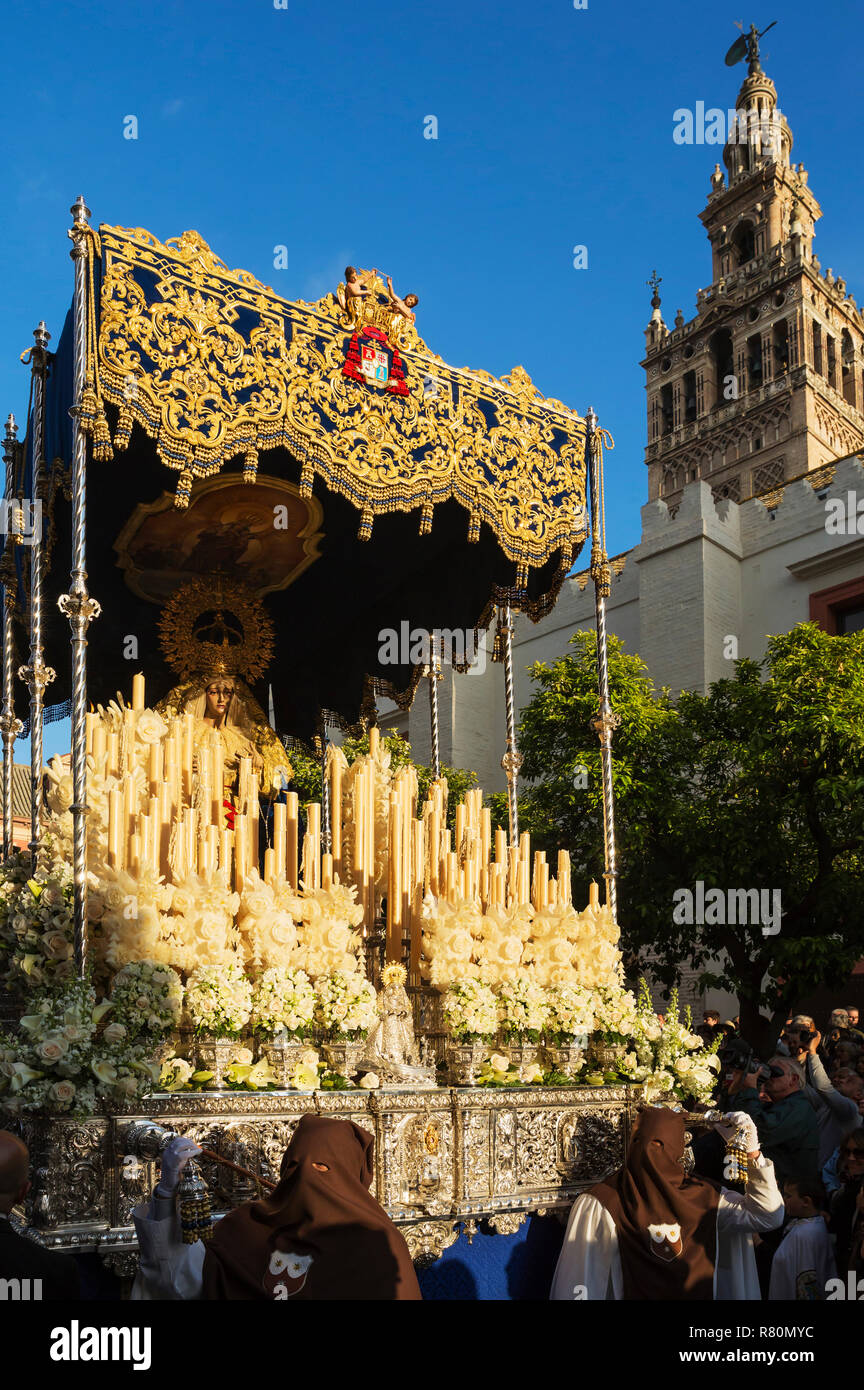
[{"x": 804, "y": 1260}]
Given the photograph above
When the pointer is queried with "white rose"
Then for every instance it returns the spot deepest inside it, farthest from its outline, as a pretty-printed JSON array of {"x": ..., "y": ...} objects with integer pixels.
[
  {"x": 309, "y": 1057},
  {"x": 369, "y": 1082},
  {"x": 499, "y": 1063},
  {"x": 62, "y": 1093},
  {"x": 243, "y": 1055},
  {"x": 53, "y": 1048},
  {"x": 114, "y": 1033}
]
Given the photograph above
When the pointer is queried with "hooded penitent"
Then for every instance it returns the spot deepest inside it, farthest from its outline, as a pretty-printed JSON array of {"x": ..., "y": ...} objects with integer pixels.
[
  {"x": 666, "y": 1222},
  {"x": 320, "y": 1235}
]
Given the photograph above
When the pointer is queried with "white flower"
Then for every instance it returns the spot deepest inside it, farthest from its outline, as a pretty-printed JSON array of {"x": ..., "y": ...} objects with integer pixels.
[
  {"x": 114, "y": 1033},
  {"x": 150, "y": 727},
  {"x": 243, "y": 1055},
  {"x": 104, "y": 1071},
  {"x": 531, "y": 1073},
  {"x": 499, "y": 1063},
  {"x": 369, "y": 1082},
  {"x": 62, "y": 1094},
  {"x": 52, "y": 1048}
]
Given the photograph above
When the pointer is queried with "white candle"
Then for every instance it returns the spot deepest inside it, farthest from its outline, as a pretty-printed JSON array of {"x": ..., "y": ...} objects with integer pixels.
[{"x": 279, "y": 837}]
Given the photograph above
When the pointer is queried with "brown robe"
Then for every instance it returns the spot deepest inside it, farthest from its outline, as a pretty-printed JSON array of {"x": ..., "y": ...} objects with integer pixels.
[
  {"x": 319, "y": 1235},
  {"x": 652, "y": 1190}
]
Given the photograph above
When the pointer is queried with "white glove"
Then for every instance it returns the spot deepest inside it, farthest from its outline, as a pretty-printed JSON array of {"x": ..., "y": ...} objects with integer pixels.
[
  {"x": 174, "y": 1160},
  {"x": 738, "y": 1125}
]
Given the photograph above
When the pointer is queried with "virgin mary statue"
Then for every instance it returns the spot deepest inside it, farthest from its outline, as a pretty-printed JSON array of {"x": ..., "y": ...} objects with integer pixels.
[
  {"x": 224, "y": 708},
  {"x": 213, "y": 630}
]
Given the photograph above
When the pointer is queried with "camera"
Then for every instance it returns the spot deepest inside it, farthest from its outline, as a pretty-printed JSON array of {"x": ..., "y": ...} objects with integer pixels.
[{"x": 738, "y": 1055}]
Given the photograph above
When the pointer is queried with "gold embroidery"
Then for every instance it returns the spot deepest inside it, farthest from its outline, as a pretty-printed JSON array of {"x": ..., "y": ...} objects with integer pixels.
[{"x": 212, "y": 364}]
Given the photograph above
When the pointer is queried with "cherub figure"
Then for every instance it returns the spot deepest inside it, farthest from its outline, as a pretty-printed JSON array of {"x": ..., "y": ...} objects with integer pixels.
[
  {"x": 356, "y": 290},
  {"x": 402, "y": 308}
]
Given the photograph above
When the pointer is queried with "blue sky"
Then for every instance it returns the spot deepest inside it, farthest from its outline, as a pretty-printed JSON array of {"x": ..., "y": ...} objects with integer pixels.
[{"x": 303, "y": 127}]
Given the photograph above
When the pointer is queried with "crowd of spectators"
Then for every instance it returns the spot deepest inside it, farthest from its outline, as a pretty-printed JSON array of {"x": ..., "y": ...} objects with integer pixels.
[{"x": 807, "y": 1102}]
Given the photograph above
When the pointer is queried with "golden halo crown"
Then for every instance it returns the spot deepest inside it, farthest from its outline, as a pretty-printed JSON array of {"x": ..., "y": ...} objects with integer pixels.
[
  {"x": 394, "y": 974},
  {"x": 216, "y": 626}
]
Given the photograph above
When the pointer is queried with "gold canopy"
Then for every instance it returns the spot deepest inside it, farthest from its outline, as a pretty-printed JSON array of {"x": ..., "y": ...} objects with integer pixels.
[{"x": 213, "y": 364}]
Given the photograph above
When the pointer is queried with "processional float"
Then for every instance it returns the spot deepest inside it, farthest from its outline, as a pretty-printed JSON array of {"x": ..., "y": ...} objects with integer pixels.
[{"x": 226, "y": 475}]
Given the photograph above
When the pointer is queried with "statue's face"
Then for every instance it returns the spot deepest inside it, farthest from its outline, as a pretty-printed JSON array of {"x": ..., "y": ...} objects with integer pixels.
[{"x": 219, "y": 695}]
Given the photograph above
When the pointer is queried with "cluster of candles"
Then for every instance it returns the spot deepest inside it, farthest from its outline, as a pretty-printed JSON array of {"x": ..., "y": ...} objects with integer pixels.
[
  {"x": 171, "y": 820},
  {"x": 425, "y": 856}
]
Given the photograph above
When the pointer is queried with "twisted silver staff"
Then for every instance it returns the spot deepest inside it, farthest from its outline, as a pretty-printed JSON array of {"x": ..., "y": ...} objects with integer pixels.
[
  {"x": 434, "y": 675},
  {"x": 9, "y": 725},
  {"x": 512, "y": 759},
  {"x": 607, "y": 720},
  {"x": 77, "y": 605},
  {"x": 36, "y": 674}
]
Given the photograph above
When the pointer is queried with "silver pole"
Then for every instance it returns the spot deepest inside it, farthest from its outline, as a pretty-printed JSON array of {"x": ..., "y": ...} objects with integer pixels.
[
  {"x": 9, "y": 725},
  {"x": 607, "y": 720},
  {"x": 326, "y": 831},
  {"x": 36, "y": 673},
  {"x": 434, "y": 675},
  {"x": 77, "y": 605},
  {"x": 512, "y": 760}
]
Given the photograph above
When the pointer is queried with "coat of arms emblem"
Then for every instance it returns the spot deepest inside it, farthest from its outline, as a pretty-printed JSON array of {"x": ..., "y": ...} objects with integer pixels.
[{"x": 374, "y": 363}]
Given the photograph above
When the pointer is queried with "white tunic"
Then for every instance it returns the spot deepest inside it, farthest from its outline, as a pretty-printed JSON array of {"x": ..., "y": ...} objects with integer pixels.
[
  {"x": 803, "y": 1262},
  {"x": 589, "y": 1266},
  {"x": 167, "y": 1269}
]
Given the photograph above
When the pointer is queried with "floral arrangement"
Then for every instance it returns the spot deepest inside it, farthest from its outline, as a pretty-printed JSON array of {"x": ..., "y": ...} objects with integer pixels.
[
  {"x": 570, "y": 1013},
  {"x": 470, "y": 1011},
  {"x": 268, "y": 918},
  {"x": 554, "y": 946},
  {"x": 201, "y": 930},
  {"x": 616, "y": 1020},
  {"x": 147, "y": 998},
  {"x": 283, "y": 1003},
  {"x": 667, "y": 1056},
  {"x": 36, "y": 922},
  {"x": 345, "y": 1008},
  {"x": 503, "y": 933},
  {"x": 498, "y": 1070},
  {"x": 68, "y": 1060},
  {"x": 307, "y": 1073},
  {"x": 451, "y": 930},
  {"x": 219, "y": 999},
  {"x": 175, "y": 1074},
  {"x": 522, "y": 1010},
  {"x": 329, "y": 943}
]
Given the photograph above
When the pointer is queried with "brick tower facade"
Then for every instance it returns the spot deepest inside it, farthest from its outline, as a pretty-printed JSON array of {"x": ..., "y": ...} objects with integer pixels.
[{"x": 766, "y": 383}]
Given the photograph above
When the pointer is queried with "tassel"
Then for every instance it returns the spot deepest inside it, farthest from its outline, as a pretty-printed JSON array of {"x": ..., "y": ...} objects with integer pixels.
[
  {"x": 196, "y": 1212},
  {"x": 123, "y": 431},
  {"x": 306, "y": 479},
  {"x": 426, "y": 519},
  {"x": 103, "y": 451},
  {"x": 184, "y": 489},
  {"x": 474, "y": 527},
  {"x": 87, "y": 407},
  {"x": 365, "y": 530},
  {"x": 250, "y": 465}
]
